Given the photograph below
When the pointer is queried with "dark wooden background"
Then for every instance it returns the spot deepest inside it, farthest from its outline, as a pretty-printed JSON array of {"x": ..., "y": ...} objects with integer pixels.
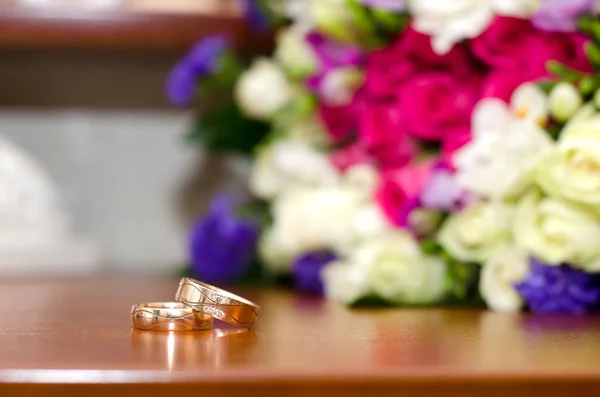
[{"x": 78, "y": 57}]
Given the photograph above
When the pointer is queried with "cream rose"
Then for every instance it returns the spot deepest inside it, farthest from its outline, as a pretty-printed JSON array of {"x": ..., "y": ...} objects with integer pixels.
[
  {"x": 346, "y": 282},
  {"x": 557, "y": 231},
  {"x": 564, "y": 100},
  {"x": 498, "y": 277},
  {"x": 391, "y": 267},
  {"x": 288, "y": 163},
  {"x": 572, "y": 169},
  {"x": 275, "y": 258},
  {"x": 478, "y": 232},
  {"x": 508, "y": 144},
  {"x": 294, "y": 53},
  {"x": 263, "y": 89},
  {"x": 401, "y": 273},
  {"x": 311, "y": 219}
]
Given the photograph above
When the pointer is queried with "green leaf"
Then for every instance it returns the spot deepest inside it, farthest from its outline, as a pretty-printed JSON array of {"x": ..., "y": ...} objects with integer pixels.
[
  {"x": 462, "y": 282},
  {"x": 389, "y": 22},
  {"x": 591, "y": 25},
  {"x": 431, "y": 247},
  {"x": 226, "y": 130},
  {"x": 369, "y": 302},
  {"x": 561, "y": 70},
  {"x": 547, "y": 85},
  {"x": 593, "y": 53},
  {"x": 366, "y": 26},
  {"x": 377, "y": 26},
  {"x": 588, "y": 85}
]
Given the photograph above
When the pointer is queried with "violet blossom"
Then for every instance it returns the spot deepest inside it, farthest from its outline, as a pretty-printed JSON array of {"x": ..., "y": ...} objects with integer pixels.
[
  {"x": 306, "y": 271},
  {"x": 255, "y": 14},
  {"x": 222, "y": 244},
  {"x": 560, "y": 289},
  {"x": 201, "y": 61},
  {"x": 331, "y": 56},
  {"x": 442, "y": 192},
  {"x": 561, "y": 15}
]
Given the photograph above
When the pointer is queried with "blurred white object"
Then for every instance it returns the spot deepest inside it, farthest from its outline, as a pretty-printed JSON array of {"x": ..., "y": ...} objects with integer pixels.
[{"x": 35, "y": 232}]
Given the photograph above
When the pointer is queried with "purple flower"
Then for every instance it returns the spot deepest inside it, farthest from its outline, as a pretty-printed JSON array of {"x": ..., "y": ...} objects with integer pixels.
[
  {"x": 561, "y": 15},
  {"x": 306, "y": 271},
  {"x": 388, "y": 5},
  {"x": 442, "y": 192},
  {"x": 331, "y": 55},
  {"x": 559, "y": 289},
  {"x": 201, "y": 61},
  {"x": 222, "y": 245},
  {"x": 255, "y": 15}
]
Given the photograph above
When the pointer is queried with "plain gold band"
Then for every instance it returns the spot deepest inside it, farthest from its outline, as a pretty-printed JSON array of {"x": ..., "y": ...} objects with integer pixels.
[
  {"x": 217, "y": 302},
  {"x": 169, "y": 316}
]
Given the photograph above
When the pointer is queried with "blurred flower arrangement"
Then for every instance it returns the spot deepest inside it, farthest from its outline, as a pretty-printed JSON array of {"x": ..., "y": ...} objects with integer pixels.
[{"x": 408, "y": 152}]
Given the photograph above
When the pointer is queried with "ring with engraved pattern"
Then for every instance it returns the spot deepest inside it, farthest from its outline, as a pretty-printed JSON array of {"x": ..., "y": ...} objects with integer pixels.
[
  {"x": 169, "y": 316},
  {"x": 217, "y": 302}
]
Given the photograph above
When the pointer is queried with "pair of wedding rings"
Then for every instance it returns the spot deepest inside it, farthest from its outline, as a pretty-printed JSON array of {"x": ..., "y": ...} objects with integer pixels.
[{"x": 196, "y": 305}]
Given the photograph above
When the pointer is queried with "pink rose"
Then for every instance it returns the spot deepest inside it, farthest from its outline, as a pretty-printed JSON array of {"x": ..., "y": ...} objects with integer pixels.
[
  {"x": 389, "y": 68},
  {"x": 341, "y": 121},
  {"x": 501, "y": 83},
  {"x": 502, "y": 43},
  {"x": 453, "y": 143},
  {"x": 349, "y": 156},
  {"x": 567, "y": 48},
  {"x": 399, "y": 190},
  {"x": 417, "y": 47},
  {"x": 386, "y": 70},
  {"x": 433, "y": 105},
  {"x": 382, "y": 133}
]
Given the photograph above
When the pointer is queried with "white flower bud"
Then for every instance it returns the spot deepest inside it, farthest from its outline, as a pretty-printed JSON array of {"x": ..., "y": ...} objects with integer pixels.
[
  {"x": 263, "y": 89},
  {"x": 294, "y": 53},
  {"x": 565, "y": 101}
]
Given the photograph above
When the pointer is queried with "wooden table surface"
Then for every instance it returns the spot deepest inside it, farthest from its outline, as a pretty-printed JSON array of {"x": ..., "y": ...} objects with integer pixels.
[{"x": 73, "y": 338}]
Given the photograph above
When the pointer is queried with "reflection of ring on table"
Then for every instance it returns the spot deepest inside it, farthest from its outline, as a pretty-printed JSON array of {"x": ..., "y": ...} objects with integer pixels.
[
  {"x": 169, "y": 316},
  {"x": 217, "y": 302}
]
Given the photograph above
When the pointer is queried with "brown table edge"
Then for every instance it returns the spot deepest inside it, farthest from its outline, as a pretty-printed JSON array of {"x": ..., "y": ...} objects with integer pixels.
[{"x": 85, "y": 29}]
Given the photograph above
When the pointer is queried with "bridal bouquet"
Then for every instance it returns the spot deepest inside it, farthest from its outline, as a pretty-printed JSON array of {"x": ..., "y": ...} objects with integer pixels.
[{"x": 412, "y": 152}]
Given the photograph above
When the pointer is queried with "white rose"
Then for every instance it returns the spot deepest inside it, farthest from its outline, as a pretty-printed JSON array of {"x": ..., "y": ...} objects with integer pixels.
[
  {"x": 287, "y": 163},
  {"x": 339, "y": 85},
  {"x": 263, "y": 89},
  {"x": 400, "y": 273},
  {"x": 596, "y": 98},
  {"x": 572, "y": 169},
  {"x": 478, "y": 232},
  {"x": 391, "y": 267},
  {"x": 564, "y": 101},
  {"x": 346, "y": 282},
  {"x": 507, "y": 145},
  {"x": 557, "y": 231},
  {"x": 362, "y": 177},
  {"x": 451, "y": 21},
  {"x": 274, "y": 257},
  {"x": 311, "y": 219},
  {"x": 309, "y": 129},
  {"x": 294, "y": 53},
  {"x": 498, "y": 277}
]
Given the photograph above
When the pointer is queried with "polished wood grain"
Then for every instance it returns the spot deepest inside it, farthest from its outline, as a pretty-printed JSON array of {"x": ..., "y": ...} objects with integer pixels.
[
  {"x": 74, "y": 338},
  {"x": 122, "y": 29}
]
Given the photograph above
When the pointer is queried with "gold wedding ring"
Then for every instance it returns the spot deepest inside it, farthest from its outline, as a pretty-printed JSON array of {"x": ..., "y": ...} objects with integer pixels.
[
  {"x": 217, "y": 302},
  {"x": 169, "y": 316}
]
